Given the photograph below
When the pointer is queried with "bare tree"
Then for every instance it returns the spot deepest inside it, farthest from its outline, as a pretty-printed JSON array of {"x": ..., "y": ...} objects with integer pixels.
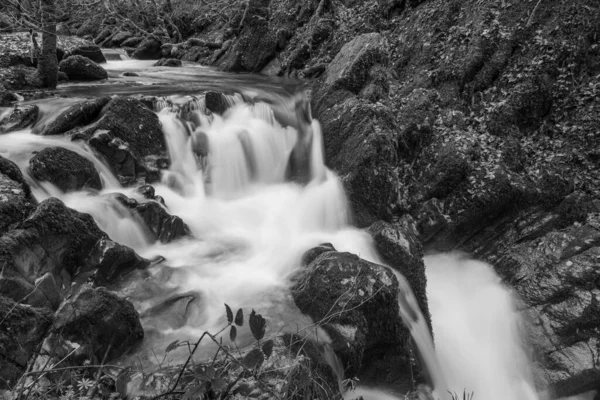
[{"x": 47, "y": 67}]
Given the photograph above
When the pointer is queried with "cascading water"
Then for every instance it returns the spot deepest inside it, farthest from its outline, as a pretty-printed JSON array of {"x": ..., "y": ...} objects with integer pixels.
[{"x": 251, "y": 225}]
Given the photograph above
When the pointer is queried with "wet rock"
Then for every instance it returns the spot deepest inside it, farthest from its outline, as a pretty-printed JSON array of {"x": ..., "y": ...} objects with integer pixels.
[
  {"x": 118, "y": 155},
  {"x": 16, "y": 201},
  {"x": 132, "y": 41},
  {"x": 172, "y": 312},
  {"x": 148, "y": 49},
  {"x": 129, "y": 120},
  {"x": 20, "y": 117},
  {"x": 349, "y": 69},
  {"x": 22, "y": 328},
  {"x": 168, "y": 62},
  {"x": 100, "y": 321},
  {"x": 357, "y": 307},
  {"x": 75, "y": 116},
  {"x": 217, "y": 102},
  {"x": 110, "y": 261},
  {"x": 65, "y": 169},
  {"x": 130, "y": 74},
  {"x": 90, "y": 51},
  {"x": 82, "y": 68},
  {"x": 399, "y": 246},
  {"x": 147, "y": 191},
  {"x": 164, "y": 227}
]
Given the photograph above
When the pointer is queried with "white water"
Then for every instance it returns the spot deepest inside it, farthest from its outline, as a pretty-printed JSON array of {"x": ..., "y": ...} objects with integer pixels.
[{"x": 250, "y": 228}]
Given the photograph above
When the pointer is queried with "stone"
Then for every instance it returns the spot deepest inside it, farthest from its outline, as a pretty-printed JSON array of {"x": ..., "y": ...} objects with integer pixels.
[
  {"x": 82, "y": 68},
  {"x": 132, "y": 41},
  {"x": 90, "y": 51},
  {"x": 148, "y": 49},
  {"x": 65, "y": 169},
  {"x": 20, "y": 117},
  {"x": 168, "y": 62},
  {"x": 110, "y": 262},
  {"x": 16, "y": 200},
  {"x": 164, "y": 227},
  {"x": 77, "y": 115}
]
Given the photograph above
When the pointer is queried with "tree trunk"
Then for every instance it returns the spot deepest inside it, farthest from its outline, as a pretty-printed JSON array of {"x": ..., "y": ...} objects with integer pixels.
[{"x": 47, "y": 69}]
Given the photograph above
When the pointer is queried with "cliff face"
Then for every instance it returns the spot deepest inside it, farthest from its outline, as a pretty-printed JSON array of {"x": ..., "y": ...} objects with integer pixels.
[{"x": 480, "y": 120}]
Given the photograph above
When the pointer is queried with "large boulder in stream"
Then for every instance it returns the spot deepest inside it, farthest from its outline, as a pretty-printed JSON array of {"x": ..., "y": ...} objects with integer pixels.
[
  {"x": 79, "y": 68},
  {"x": 90, "y": 51},
  {"x": 77, "y": 115},
  {"x": 22, "y": 328},
  {"x": 148, "y": 49},
  {"x": 16, "y": 200},
  {"x": 131, "y": 121},
  {"x": 20, "y": 117},
  {"x": 65, "y": 169},
  {"x": 358, "y": 307},
  {"x": 101, "y": 322}
]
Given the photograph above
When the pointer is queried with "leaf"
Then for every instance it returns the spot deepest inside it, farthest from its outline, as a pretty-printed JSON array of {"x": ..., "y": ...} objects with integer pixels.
[
  {"x": 267, "y": 348},
  {"x": 233, "y": 333},
  {"x": 239, "y": 317},
  {"x": 229, "y": 313},
  {"x": 257, "y": 325},
  {"x": 253, "y": 359},
  {"x": 172, "y": 346},
  {"x": 193, "y": 392},
  {"x": 218, "y": 384}
]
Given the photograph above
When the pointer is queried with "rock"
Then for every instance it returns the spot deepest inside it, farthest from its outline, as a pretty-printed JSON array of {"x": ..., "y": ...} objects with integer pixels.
[
  {"x": 77, "y": 115},
  {"x": 399, "y": 246},
  {"x": 132, "y": 41},
  {"x": 130, "y": 121},
  {"x": 65, "y": 169},
  {"x": 103, "y": 35},
  {"x": 89, "y": 27},
  {"x": 110, "y": 261},
  {"x": 164, "y": 227},
  {"x": 118, "y": 155},
  {"x": 172, "y": 312},
  {"x": 16, "y": 201},
  {"x": 127, "y": 73},
  {"x": 349, "y": 69},
  {"x": 102, "y": 322},
  {"x": 197, "y": 54},
  {"x": 148, "y": 49},
  {"x": 217, "y": 102},
  {"x": 357, "y": 307},
  {"x": 62, "y": 77},
  {"x": 168, "y": 62},
  {"x": 118, "y": 39},
  {"x": 22, "y": 330},
  {"x": 20, "y": 117},
  {"x": 82, "y": 68},
  {"x": 91, "y": 51}
]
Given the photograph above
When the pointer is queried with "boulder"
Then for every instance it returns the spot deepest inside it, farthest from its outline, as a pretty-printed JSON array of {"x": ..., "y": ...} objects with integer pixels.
[
  {"x": 349, "y": 69},
  {"x": 118, "y": 156},
  {"x": 16, "y": 201},
  {"x": 217, "y": 102},
  {"x": 62, "y": 77},
  {"x": 399, "y": 246},
  {"x": 65, "y": 169},
  {"x": 110, "y": 261},
  {"x": 357, "y": 307},
  {"x": 132, "y": 41},
  {"x": 20, "y": 117},
  {"x": 82, "y": 68},
  {"x": 22, "y": 329},
  {"x": 148, "y": 49},
  {"x": 100, "y": 321},
  {"x": 90, "y": 51},
  {"x": 77, "y": 115},
  {"x": 164, "y": 227},
  {"x": 119, "y": 38},
  {"x": 131, "y": 121},
  {"x": 168, "y": 62},
  {"x": 103, "y": 35}
]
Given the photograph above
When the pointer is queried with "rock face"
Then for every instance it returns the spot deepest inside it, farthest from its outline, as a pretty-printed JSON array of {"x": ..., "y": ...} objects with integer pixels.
[
  {"x": 64, "y": 168},
  {"x": 16, "y": 201},
  {"x": 77, "y": 115},
  {"x": 129, "y": 120},
  {"x": 100, "y": 321},
  {"x": 148, "y": 49},
  {"x": 82, "y": 68},
  {"x": 357, "y": 306},
  {"x": 21, "y": 330},
  {"x": 20, "y": 117}
]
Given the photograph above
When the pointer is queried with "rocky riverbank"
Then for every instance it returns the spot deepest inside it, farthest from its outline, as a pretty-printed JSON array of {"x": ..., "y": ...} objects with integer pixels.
[{"x": 466, "y": 126}]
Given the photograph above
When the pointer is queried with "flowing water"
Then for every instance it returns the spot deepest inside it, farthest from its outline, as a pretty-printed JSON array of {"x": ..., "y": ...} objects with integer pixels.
[{"x": 251, "y": 224}]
